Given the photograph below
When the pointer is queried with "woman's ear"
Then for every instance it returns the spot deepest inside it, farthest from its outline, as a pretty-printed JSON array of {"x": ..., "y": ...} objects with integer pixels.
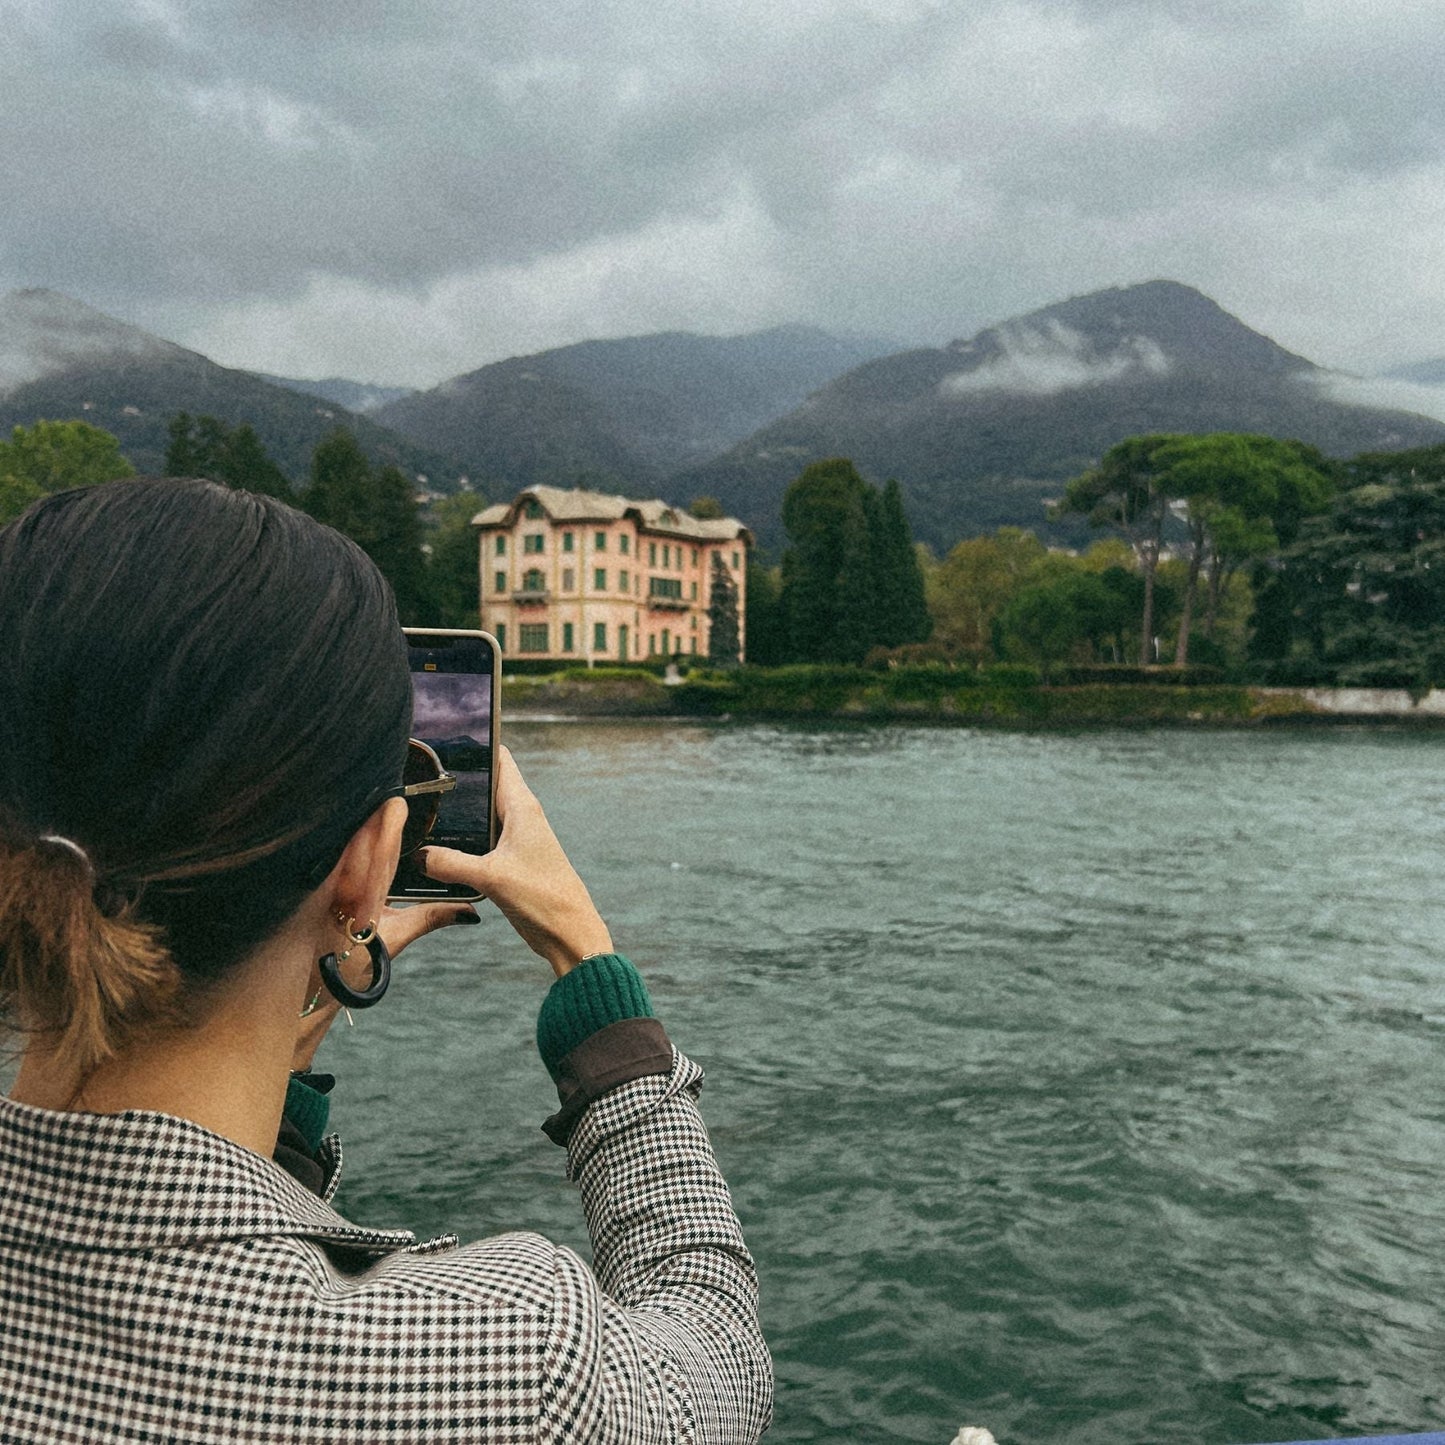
[{"x": 363, "y": 874}]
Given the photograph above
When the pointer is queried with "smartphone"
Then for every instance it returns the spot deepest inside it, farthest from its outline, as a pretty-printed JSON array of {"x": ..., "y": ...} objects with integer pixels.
[{"x": 455, "y": 680}]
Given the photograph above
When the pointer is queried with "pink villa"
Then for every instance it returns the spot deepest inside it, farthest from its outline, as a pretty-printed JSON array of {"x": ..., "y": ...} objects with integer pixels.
[{"x": 583, "y": 576}]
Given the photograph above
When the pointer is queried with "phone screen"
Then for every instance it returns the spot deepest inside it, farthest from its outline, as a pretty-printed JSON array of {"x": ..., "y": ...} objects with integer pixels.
[{"x": 453, "y": 680}]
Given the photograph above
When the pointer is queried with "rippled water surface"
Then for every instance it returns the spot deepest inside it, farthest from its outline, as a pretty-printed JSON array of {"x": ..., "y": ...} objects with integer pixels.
[{"x": 1085, "y": 1087}]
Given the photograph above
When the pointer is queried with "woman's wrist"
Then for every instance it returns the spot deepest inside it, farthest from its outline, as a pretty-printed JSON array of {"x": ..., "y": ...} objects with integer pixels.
[{"x": 568, "y": 958}]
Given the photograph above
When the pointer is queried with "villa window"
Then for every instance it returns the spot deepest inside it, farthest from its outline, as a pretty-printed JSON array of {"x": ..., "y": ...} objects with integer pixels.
[
  {"x": 501, "y": 548},
  {"x": 652, "y": 554},
  {"x": 502, "y": 635},
  {"x": 569, "y": 579},
  {"x": 534, "y": 580},
  {"x": 665, "y": 587},
  {"x": 566, "y": 637},
  {"x": 622, "y": 544},
  {"x": 624, "y": 581},
  {"x": 599, "y": 637},
  {"x": 500, "y": 579},
  {"x": 667, "y": 556},
  {"x": 599, "y": 541},
  {"x": 534, "y": 637},
  {"x": 532, "y": 511},
  {"x": 534, "y": 542},
  {"x": 694, "y": 556},
  {"x": 599, "y": 579},
  {"x": 694, "y": 591},
  {"x": 736, "y": 563},
  {"x": 566, "y": 541}
]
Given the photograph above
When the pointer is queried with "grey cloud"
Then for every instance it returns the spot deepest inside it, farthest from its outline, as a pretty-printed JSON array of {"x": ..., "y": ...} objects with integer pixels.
[{"x": 915, "y": 167}]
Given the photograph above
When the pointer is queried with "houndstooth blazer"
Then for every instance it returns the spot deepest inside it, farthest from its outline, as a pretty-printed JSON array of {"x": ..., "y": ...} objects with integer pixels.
[{"x": 159, "y": 1283}]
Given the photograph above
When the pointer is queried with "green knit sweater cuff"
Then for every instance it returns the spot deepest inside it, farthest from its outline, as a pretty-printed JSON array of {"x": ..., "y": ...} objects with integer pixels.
[
  {"x": 605, "y": 989},
  {"x": 308, "y": 1109}
]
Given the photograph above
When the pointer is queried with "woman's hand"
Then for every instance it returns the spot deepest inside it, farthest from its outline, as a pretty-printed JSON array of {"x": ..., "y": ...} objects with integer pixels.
[
  {"x": 397, "y": 927},
  {"x": 528, "y": 877}
]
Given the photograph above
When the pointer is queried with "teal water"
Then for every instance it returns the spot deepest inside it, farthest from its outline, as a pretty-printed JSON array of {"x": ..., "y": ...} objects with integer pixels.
[{"x": 1084, "y": 1087}]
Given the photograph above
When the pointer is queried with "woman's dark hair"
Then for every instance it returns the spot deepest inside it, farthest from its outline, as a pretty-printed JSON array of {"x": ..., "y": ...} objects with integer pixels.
[{"x": 207, "y": 692}]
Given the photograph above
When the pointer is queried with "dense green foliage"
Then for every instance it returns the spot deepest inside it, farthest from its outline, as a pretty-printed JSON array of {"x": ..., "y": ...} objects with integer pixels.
[
  {"x": 767, "y": 626},
  {"x": 204, "y": 446},
  {"x": 377, "y": 510},
  {"x": 1239, "y": 497},
  {"x": 1359, "y": 598},
  {"x": 53, "y": 455},
  {"x": 453, "y": 562},
  {"x": 850, "y": 577}
]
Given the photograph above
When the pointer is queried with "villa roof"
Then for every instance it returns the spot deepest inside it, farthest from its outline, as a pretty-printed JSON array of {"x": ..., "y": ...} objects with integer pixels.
[{"x": 574, "y": 504}]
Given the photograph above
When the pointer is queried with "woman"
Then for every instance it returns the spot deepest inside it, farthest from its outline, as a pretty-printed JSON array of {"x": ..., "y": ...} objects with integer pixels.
[{"x": 204, "y": 705}]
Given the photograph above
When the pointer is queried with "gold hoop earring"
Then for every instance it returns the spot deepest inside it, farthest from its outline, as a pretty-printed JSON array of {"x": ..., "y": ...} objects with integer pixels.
[{"x": 348, "y": 924}]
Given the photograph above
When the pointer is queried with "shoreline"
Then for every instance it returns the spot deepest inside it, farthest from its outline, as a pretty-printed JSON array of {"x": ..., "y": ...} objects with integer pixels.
[{"x": 942, "y": 701}]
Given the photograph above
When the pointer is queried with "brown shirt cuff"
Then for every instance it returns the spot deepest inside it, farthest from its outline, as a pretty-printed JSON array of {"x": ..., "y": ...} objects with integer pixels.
[{"x": 617, "y": 1054}]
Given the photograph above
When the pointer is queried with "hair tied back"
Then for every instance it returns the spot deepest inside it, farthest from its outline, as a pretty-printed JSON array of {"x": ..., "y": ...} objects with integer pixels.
[{"x": 85, "y": 976}]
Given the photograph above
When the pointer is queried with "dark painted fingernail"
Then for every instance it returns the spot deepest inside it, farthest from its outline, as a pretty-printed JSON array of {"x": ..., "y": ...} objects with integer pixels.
[{"x": 469, "y": 917}]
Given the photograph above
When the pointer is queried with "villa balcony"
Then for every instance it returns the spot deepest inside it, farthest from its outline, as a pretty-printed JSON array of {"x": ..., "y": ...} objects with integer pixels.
[
  {"x": 532, "y": 597},
  {"x": 668, "y": 604}
]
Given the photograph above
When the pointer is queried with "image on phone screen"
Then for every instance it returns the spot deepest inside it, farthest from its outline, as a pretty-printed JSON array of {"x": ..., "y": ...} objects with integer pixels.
[{"x": 452, "y": 711}]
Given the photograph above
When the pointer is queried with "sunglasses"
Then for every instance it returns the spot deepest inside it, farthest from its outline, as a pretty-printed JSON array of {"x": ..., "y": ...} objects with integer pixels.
[{"x": 423, "y": 782}]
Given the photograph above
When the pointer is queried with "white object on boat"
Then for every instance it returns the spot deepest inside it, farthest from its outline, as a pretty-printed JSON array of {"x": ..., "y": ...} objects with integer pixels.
[{"x": 973, "y": 1435}]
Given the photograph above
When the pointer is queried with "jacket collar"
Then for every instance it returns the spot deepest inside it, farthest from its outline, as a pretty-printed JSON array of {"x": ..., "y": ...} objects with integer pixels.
[{"x": 142, "y": 1180}]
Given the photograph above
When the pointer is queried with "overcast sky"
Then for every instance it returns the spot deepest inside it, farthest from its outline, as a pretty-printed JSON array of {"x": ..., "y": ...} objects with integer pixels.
[{"x": 399, "y": 190}]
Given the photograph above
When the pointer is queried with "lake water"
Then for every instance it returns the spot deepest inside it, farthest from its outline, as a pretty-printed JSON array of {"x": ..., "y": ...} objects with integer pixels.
[{"x": 1085, "y": 1087}]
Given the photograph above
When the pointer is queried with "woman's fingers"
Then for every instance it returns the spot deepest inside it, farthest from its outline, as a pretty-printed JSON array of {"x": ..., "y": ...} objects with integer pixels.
[
  {"x": 528, "y": 877},
  {"x": 401, "y": 926}
]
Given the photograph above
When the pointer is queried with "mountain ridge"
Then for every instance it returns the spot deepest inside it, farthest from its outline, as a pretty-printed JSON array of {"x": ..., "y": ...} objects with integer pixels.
[
  {"x": 622, "y": 410},
  {"x": 63, "y": 360},
  {"x": 983, "y": 431}
]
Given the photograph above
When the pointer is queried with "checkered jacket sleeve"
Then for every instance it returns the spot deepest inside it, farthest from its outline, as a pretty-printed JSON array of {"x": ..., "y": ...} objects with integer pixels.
[{"x": 681, "y": 1356}]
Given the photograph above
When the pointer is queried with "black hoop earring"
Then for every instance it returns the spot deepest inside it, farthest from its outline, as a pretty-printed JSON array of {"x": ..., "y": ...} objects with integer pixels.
[{"x": 342, "y": 991}]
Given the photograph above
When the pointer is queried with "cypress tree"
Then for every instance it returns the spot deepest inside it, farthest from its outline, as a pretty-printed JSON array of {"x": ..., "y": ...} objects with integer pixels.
[
  {"x": 397, "y": 544},
  {"x": 816, "y": 515},
  {"x": 722, "y": 616},
  {"x": 856, "y": 610},
  {"x": 341, "y": 491},
  {"x": 902, "y": 610}
]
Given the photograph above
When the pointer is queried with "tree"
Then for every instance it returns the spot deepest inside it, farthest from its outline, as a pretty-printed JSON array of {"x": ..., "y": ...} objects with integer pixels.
[
  {"x": 823, "y": 515},
  {"x": 1238, "y": 496},
  {"x": 767, "y": 624},
  {"x": 902, "y": 615},
  {"x": 1055, "y": 615},
  {"x": 1238, "y": 492},
  {"x": 205, "y": 447},
  {"x": 396, "y": 545},
  {"x": 851, "y": 579},
  {"x": 341, "y": 492},
  {"x": 52, "y": 455},
  {"x": 1360, "y": 594},
  {"x": 377, "y": 511},
  {"x": 970, "y": 587},
  {"x": 723, "y": 646},
  {"x": 705, "y": 509},
  {"x": 453, "y": 560},
  {"x": 1123, "y": 492}
]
